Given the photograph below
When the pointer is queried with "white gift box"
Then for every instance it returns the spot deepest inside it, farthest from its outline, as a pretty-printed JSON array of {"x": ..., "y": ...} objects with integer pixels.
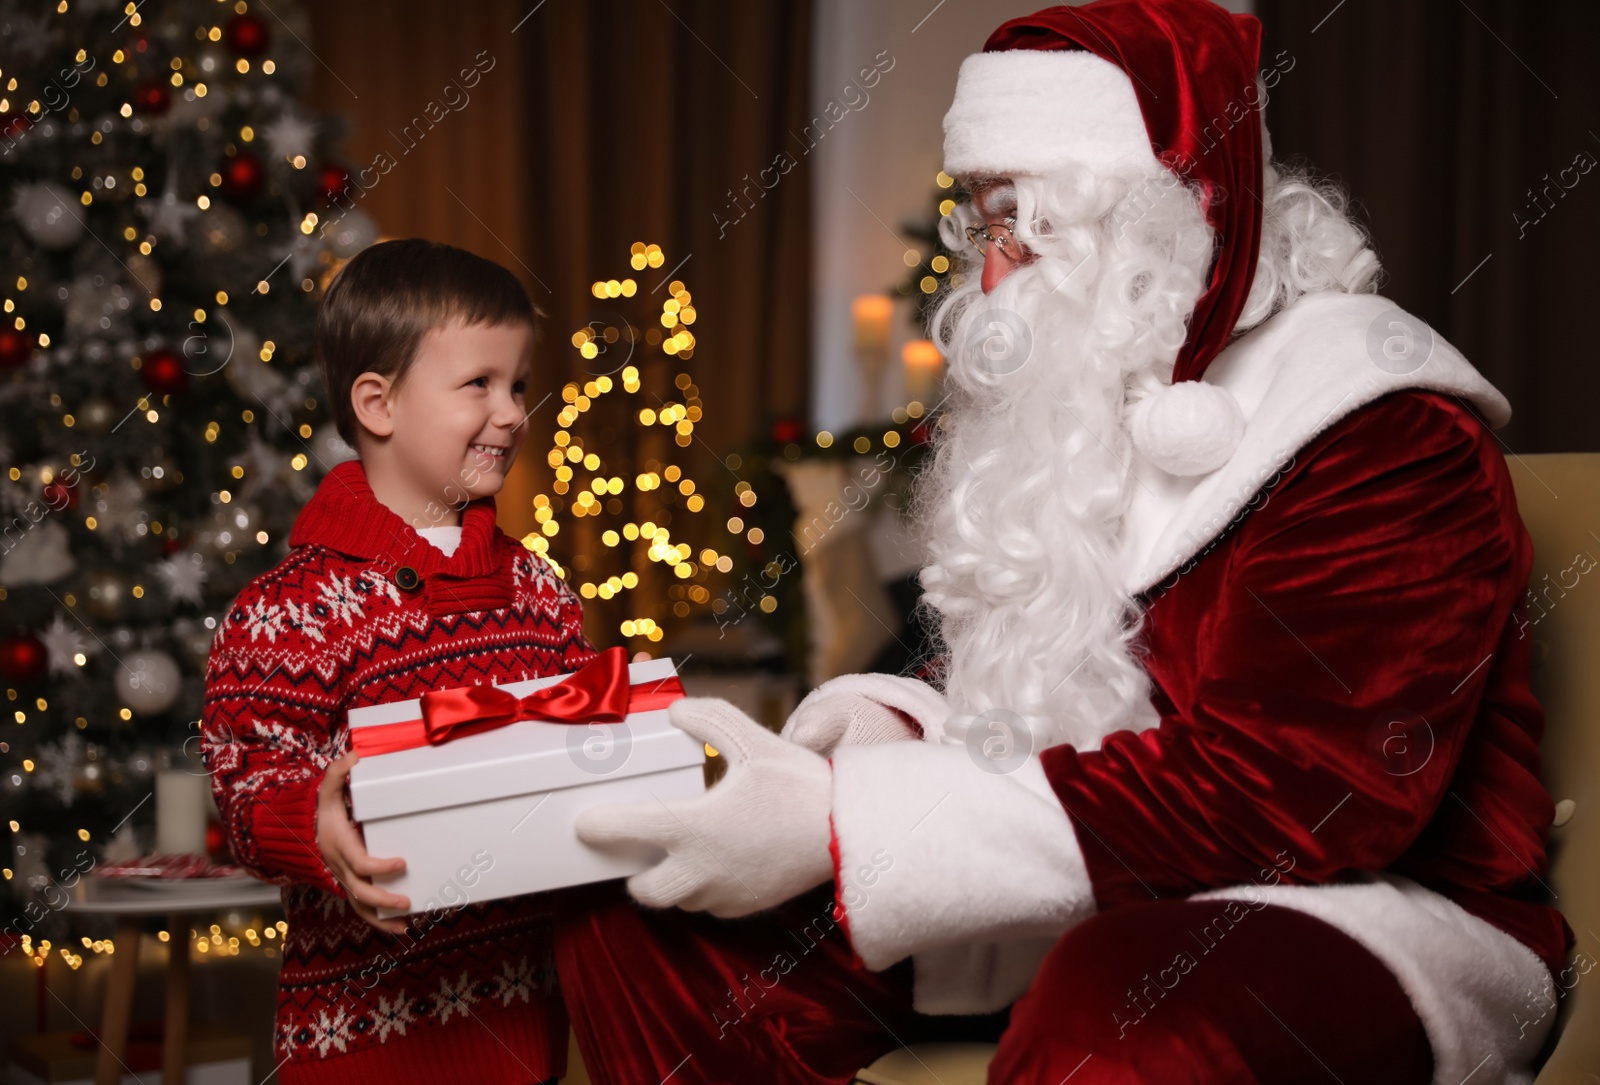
[{"x": 491, "y": 814}]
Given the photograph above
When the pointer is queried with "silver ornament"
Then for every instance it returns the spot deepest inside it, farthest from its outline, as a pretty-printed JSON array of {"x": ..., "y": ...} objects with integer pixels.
[
  {"x": 48, "y": 213},
  {"x": 169, "y": 215},
  {"x": 41, "y": 555},
  {"x": 97, "y": 307},
  {"x": 66, "y": 639},
  {"x": 290, "y": 136},
  {"x": 354, "y": 231},
  {"x": 184, "y": 575},
  {"x": 148, "y": 681}
]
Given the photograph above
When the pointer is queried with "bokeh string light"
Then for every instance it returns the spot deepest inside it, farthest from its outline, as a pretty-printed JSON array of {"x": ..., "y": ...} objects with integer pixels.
[{"x": 593, "y": 482}]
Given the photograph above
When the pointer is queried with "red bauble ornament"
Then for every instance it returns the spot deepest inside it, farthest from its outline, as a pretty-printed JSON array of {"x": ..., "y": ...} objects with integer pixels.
[
  {"x": 787, "y": 431},
  {"x": 246, "y": 35},
  {"x": 170, "y": 543},
  {"x": 13, "y": 125},
  {"x": 163, "y": 372},
  {"x": 59, "y": 496},
  {"x": 216, "y": 842},
  {"x": 16, "y": 347},
  {"x": 23, "y": 657},
  {"x": 242, "y": 176},
  {"x": 333, "y": 183},
  {"x": 152, "y": 97}
]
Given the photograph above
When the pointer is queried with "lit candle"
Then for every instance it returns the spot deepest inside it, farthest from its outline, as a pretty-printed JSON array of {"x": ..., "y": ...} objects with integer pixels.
[
  {"x": 181, "y": 798},
  {"x": 924, "y": 367},
  {"x": 872, "y": 313}
]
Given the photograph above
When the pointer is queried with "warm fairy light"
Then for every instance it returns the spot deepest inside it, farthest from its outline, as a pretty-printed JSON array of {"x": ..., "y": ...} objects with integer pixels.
[{"x": 597, "y": 495}]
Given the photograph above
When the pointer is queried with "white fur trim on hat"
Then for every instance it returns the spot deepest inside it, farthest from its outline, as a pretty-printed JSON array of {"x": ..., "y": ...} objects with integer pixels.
[
  {"x": 1188, "y": 428},
  {"x": 1031, "y": 111}
]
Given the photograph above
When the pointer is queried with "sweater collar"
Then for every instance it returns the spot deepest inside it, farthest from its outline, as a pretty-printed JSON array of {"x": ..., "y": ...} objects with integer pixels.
[{"x": 344, "y": 515}]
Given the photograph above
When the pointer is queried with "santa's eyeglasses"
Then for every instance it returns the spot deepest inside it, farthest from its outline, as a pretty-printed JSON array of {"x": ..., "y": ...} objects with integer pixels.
[{"x": 999, "y": 233}]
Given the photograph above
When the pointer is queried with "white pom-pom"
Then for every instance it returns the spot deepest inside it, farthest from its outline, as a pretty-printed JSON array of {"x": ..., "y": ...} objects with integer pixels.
[{"x": 1189, "y": 428}]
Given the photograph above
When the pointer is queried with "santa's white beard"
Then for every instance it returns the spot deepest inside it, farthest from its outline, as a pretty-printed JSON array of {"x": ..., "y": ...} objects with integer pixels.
[{"x": 1021, "y": 510}]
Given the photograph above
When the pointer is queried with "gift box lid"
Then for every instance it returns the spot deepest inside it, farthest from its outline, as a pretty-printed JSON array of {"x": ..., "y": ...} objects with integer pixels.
[{"x": 522, "y": 758}]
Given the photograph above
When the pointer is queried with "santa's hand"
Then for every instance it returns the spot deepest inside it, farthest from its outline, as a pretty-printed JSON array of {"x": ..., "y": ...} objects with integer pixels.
[
  {"x": 863, "y": 710},
  {"x": 757, "y": 838}
]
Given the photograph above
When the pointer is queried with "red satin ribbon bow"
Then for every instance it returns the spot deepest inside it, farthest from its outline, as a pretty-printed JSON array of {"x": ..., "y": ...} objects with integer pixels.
[{"x": 598, "y": 692}]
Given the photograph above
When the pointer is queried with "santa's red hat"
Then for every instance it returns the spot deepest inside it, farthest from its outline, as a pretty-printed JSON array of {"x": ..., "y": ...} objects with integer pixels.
[{"x": 1116, "y": 82}]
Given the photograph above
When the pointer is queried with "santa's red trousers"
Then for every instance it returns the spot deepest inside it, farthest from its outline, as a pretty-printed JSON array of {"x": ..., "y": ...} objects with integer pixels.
[{"x": 1136, "y": 994}]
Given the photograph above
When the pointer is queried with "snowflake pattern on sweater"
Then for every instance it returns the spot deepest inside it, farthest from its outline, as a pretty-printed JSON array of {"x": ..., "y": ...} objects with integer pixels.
[{"x": 327, "y": 630}]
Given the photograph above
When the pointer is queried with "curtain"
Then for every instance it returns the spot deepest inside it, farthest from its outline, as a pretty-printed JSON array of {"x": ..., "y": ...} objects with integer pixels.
[
  {"x": 590, "y": 127},
  {"x": 1467, "y": 132}
]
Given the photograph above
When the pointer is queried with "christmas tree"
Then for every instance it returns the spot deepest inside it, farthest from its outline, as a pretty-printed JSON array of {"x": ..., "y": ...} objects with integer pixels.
[
  {"x": 638, "y": 419},
  {"x": 174, "y": 217},
  {"x": 931, "y": 271}
]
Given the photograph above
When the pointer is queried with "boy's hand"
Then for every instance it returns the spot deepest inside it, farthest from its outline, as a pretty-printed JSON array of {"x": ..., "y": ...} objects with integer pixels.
[{"x": 345, "y": 852}]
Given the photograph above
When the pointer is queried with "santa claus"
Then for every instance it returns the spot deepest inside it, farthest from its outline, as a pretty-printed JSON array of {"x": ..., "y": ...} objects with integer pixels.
[{"x": 1229, "y": 769}]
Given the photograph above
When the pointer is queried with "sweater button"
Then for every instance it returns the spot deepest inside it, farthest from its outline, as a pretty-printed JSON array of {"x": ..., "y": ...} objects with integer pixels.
[{"x": 406, "y": 578}]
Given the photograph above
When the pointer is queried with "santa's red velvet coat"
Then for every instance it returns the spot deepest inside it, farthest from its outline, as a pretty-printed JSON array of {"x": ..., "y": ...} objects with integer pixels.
[
  {"x": 1341, "y": 722},
  {"x": 468, "y": 993}
]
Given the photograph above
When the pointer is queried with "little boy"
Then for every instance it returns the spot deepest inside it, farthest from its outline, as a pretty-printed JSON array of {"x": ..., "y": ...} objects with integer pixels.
[{"x": 397, "y": 582}]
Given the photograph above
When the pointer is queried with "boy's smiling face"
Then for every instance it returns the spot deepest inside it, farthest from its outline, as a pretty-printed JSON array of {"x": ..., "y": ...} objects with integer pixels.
[{"x": 450, "y": 430}]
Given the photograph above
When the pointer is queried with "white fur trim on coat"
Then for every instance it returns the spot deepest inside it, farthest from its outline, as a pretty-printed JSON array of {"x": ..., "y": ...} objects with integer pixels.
[
  {"x": 1032, "y": 111},
  {"x": 902, "y": 812},
  {"x": 978, "y": 928},
  {"x": 1482, "y": 995},
  {"x": 1293, "y": 376}
]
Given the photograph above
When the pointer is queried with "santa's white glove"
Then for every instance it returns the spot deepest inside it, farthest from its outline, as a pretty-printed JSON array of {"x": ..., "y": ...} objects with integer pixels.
[
  {"x": 757, "y": 838},
  {"x": 865, "y": 709}
]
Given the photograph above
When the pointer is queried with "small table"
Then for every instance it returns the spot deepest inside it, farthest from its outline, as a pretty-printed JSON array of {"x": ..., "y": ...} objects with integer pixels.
[{"x": 131, "y": 904}]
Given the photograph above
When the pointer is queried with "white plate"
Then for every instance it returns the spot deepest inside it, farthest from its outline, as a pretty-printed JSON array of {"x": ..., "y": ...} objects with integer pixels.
[{"x": 182, "y": 885}]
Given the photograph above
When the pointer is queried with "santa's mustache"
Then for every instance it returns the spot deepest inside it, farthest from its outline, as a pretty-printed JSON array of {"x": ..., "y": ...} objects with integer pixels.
[{"x": 1029, "y": 348}]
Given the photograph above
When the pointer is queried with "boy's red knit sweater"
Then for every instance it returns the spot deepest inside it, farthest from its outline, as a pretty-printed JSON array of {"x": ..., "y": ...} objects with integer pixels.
[{"x": 468, "y": 993}]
